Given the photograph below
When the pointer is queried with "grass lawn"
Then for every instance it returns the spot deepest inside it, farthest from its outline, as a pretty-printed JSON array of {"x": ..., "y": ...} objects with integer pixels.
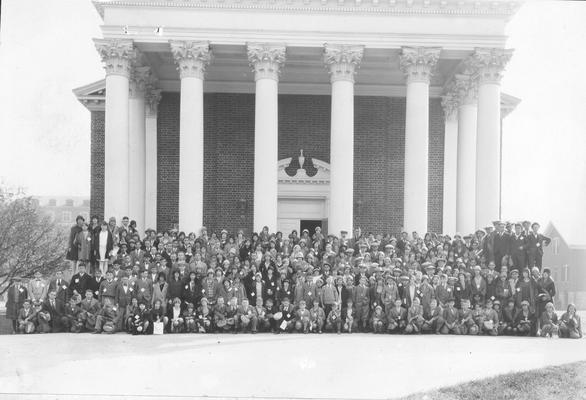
[{"x": 564, "y": 382}]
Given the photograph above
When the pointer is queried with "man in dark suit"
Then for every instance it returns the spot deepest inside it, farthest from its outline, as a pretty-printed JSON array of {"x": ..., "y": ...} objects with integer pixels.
[
  {"x": 518, "y": 247},
  {"x": 60, "y": 286},
  {"x": 15, "y": 297},
  {"x": 95, "y": 282},
  {"x": 56, "y": 309},
  {"x": 80, "y": 282},
  {"x": 535, "y": 243},
  {"x": 500, "y": 243}
]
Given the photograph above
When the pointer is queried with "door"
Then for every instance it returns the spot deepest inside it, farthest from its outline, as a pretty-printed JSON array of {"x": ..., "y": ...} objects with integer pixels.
[{"x": 310, "y": 225}]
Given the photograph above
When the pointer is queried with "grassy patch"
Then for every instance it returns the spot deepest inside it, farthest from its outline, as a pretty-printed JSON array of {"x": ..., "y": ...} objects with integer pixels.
[{"x": 564, "y": 382}]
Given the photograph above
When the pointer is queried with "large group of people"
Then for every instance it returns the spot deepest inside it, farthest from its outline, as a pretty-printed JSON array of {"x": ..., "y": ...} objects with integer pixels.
[{"x": 491, "y": 282}]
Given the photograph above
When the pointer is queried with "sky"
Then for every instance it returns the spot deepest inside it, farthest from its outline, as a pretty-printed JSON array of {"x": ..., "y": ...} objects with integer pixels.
[{"x": 46, "y": 50}]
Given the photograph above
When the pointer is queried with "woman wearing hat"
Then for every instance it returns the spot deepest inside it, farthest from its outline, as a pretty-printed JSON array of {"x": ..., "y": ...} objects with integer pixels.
[
  {"x": 525, "y": 320},
  {"x": 526, "y": 290},
  {"x": 547, "y": 324},
  {"x": 570, "y": 324}
]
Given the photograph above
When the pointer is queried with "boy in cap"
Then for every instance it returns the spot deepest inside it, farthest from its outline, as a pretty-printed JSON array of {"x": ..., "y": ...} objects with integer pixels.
[
  {"x": 302, "y": 318},
  {"x": 26, "y": 317},
  {"x": 189, "y": 316},
  {"x": 378, "y": 320},
  {"x": 414, "y": 317},
  {"x": 362, "y": 302},
  {"x": 42, "y": 319},
  {"x": 431, "y": 317},
  {"x": 263, "y": 324},
  {"x": 247, "y": 317},
  {"x": 317, "y": 317},
  {"x": 466, "y": 324},
  {"x": 490, "y": 322},
  {"x": 107, "y": 319},
  {"x": 90, "y": 306},
  {"x": 73, "y": 317},
  {"x": 334, "y": 320},
  {"x": 108, "y": 289},
  {"x": 535, "y": 243},
  {"x": 140, "y": 322},
  {"x": 128, "y": 316},
  {"x": 396, "y": 318},
  {"x": 450, "y": 318},
  {"x": 286, "y": 322},
  {"x": 204, "y": 317}
]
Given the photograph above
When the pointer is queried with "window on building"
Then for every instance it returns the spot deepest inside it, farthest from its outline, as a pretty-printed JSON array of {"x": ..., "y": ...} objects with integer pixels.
[
  {"x": 565, "y": 273},
  {"x": 556, "y": 245},
  {"x": 66, "y": 216}
]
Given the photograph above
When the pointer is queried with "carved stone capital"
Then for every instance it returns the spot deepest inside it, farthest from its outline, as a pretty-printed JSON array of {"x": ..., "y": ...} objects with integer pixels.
[
  {"x": 489, "y": 63},
  {"x": 417, "y": 63},
  {"x": 191, "y": 57},
  {"x": 342, "y": 61},
  {"x": 450, "y": 104},
  {"x": 152, "y": 99},
  {"x": 466, "y": 89},
  {"x": 266, "y": 59},
  {"x": 140, "y": 78},
  {"x": 117, "y": 55}
]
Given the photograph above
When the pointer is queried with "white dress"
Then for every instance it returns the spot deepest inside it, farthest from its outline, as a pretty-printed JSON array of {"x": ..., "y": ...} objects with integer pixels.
[{"x": 103, "y": 245}]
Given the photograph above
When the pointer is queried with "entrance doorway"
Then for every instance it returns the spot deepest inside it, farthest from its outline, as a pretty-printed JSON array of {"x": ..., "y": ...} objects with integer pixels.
[{"x": 310, "y": 225}]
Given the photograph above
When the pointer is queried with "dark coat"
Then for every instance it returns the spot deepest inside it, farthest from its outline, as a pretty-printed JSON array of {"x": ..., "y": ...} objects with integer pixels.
[
  {"x": 14, "y": 299},
  {"x": 80, "y": 284}
]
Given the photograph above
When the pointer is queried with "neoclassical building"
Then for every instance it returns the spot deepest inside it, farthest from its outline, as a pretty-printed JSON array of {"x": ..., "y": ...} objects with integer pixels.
[{"x": 378, "y": 114}]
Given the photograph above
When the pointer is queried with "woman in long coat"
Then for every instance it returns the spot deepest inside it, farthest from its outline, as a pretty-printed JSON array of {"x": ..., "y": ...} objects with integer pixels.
[{"x": 84, "y": 241}]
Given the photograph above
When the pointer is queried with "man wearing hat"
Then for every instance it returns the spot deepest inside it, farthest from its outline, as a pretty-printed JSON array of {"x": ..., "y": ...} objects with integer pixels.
[
  {"x": 518, "y": 245},
  {"x": 500, "y": 244},
  {"x": 362, "y": 299},
  {"x": 535, "y": 243}
]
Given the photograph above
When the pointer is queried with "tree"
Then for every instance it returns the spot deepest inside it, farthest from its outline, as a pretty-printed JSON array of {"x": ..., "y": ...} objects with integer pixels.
[{"x": 29, "y": 241}]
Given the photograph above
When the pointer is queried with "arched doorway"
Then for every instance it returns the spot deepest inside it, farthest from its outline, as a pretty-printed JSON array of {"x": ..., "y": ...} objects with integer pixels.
[{"x": 303, "y": 194}]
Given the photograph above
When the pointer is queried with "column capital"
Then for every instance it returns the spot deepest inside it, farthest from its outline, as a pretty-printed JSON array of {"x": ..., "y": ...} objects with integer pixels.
[
  {"x": 192, "y": 57},
  {"x": 152, "y": 98},
  {"x": 141, "y": 77},
  {"x": 417, "y": 63},
  {"x": 266, "y": 59},
  {"x": 489, "y": 63},
  {"x": 450, "y": 104},
  {"x": 342, "y": 61},
  {"x": 466, "y": 89},
  {"x": 117, "y": 55}
]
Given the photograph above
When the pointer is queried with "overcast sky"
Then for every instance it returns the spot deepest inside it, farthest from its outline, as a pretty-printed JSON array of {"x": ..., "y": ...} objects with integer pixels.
[{"x": 46, "y": 50}]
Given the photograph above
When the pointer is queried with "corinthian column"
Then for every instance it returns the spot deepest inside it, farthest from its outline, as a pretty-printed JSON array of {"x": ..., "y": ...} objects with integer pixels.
[
  {"x": 192, "y": 59},
  {"x": 139, "y": 79},
  {"x": 117, "y": 56},
  {"x": 450, "y": 106},
  {"x": 466, "y": 192},
  {"x": 266, "y": 61},
  {"x": 342, "y": 62},
  {"x": 153, "y": 96},
  {"x": 489, "y": 64},
  {"x": 417, "y": 63}
]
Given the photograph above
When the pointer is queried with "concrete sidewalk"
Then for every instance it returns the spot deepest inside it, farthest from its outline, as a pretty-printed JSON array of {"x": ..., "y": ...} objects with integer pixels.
[{"x": 328, "y": 366}]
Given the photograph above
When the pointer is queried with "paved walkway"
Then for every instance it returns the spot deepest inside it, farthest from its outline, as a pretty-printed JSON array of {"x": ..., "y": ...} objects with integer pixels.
[{"x": 328, "y": 366}]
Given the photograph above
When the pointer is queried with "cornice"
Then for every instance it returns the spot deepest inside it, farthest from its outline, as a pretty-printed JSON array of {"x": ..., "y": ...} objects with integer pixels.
[{"x": 467, "y": 8}]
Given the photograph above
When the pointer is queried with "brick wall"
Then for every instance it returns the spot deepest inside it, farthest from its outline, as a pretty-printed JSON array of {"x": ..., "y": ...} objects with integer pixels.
[
  {"x": 379, "y": 154},
  {"x": 97, "y": 172},
  {"x": 168, "y": 161},
  {"x": 436, "y": 166},
  {"x": 304, "y": 123}
]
